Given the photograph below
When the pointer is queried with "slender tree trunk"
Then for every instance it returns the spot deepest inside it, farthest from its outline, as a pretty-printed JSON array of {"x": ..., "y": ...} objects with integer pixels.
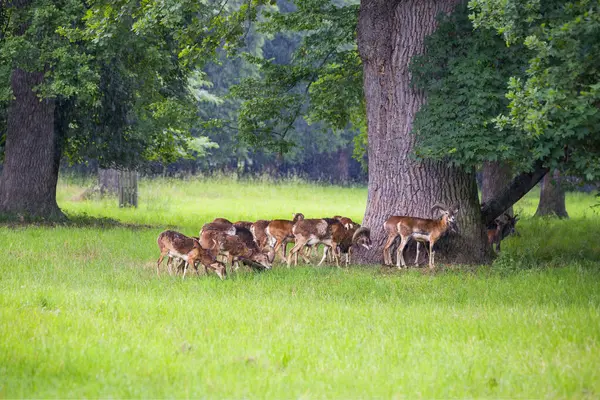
[
  {"x": 343, "y": 166},
  {"x": 496, "y": 175},
  {"x": 32, "y": 152},
  {"x": 390, "y": 33},
  {"x": 552, "y": 197}
]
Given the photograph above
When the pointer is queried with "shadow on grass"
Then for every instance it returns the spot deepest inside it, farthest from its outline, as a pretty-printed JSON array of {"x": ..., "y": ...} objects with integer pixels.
[{"x": 73, "y": 220}]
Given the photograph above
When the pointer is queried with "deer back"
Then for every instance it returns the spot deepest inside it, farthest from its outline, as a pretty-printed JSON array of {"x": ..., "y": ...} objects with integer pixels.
[{"x": 175, "y": 241}]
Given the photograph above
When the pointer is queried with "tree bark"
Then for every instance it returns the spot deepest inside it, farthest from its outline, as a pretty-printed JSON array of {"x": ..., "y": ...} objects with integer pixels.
[
  {"x": 552, "y": 197},
  {"x": 390, "y": 33},
  {"x": 496, "y": 175},
  {"x": 32, "y": 152}
]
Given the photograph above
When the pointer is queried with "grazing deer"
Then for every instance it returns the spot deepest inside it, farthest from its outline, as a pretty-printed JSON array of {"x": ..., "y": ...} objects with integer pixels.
[
  {"x": 248, "y": 239},
  {"x": 328, "y": 231},
  {"x": 503, "y": 226},
  {"x": 420, "y": 229},
  {"x": 259, "y": 233},
  {"x": 279, "y": 232},
  {"x": 176, "y": 245},
  {"x": 355, "y": 236},
  {"x": 233, "y": 246}
]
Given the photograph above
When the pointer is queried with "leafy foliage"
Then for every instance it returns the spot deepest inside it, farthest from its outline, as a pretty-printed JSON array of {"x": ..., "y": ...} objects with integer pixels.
[
  {"x": 464, "y": 73},
  {"x": 557, "y": 104},
  {"x": 322, "y": 81},
  {"x": 120, "y": 70}
]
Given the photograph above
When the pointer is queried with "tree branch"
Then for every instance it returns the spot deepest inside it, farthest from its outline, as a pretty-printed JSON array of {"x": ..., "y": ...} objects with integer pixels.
[{"x": 508, "y": 196}]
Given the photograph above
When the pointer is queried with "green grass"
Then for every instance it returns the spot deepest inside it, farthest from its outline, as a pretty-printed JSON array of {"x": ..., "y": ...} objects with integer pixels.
[{"x": 83, "y": 314}]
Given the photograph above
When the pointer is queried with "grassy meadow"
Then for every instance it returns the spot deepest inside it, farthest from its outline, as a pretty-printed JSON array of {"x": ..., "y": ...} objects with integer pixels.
[{"x": 83, "y": 314}]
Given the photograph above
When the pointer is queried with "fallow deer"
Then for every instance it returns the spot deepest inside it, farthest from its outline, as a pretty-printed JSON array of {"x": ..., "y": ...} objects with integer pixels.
[
  {"x": 420, "y": 229},
  {"x": 176, "y": 245},
  {"x": 279, "y": 232}
]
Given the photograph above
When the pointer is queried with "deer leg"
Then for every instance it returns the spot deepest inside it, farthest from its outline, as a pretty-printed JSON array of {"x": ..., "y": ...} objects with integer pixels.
[
  {"x": 417, "y": 257},
  {"x": 348, "y": 257},
  {"x": 297, "y": 247},
  {"x": 284, "y": 243},
  {"x": 431, "y": 255},
  {"x": 158, "y": 263},
  {"x": 400, "y": 253},
  {"x": 325, "y": 251},
  {"x": 304, "y": 257},
  {"x": 185, "y": 270},
  {"x": 335, "y": 254},
  {"x": 308, "y": 250},
  {"x": 278, "y": 247},
  {"x": 387, "y": 256}
]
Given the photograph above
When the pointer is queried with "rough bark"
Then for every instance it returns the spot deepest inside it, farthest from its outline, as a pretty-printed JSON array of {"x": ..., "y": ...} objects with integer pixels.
[
  {"x": 552, "y": 197},
  {"x": 518, "y": 187},
  {"x": 32, "y": 152},
  {"x": 390, "y": 33},
  {"x": 495, "y": 176}
]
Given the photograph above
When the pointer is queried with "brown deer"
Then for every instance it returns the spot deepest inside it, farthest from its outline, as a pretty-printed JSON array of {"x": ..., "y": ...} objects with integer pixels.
[
  {"x": 503, "y": 226},
  {"x": 176, "y": 245},
  {"x": 355, "y": 236},
  {"x": 420, "y": 229},
  {"x": 259, "y": 233},
  {"x": 328, "y": 231},
  {"x": 248, "y": 239},
  {"x": 346, "y": 222},
  {"x": 233, "y": 247},
  {"x": 279, "y": 232}
]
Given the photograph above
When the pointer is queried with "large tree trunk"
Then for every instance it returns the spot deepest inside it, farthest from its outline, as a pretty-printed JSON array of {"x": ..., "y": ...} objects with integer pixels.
[
  {"x": 552, "y": 197},
  {"x": 390, "y": 33},
  {"x": 496, "y": 175},
  {"x": 32, "y": 152}
]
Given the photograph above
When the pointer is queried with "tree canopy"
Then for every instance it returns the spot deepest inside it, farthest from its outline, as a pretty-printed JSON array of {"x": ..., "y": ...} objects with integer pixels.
[
  {"x": 121, "y": 72},
  {"x": 556, "y": 105}
]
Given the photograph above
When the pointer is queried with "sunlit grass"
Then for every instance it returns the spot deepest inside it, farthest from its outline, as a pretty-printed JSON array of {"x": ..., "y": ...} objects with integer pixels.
[{"x": 84, "y": 315}]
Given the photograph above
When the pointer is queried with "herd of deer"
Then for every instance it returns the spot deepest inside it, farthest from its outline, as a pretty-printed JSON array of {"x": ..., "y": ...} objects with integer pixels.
[{"x": 256, "y": 243}]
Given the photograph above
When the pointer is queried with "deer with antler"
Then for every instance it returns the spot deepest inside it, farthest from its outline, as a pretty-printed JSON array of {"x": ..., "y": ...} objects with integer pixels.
[{"x": 419, "y": 229}]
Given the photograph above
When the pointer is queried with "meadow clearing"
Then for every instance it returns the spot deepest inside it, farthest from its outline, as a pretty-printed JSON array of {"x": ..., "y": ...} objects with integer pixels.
[{"x": 83, "y": 314}]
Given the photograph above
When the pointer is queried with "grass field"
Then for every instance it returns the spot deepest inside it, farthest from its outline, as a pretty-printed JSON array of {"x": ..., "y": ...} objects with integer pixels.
[{"x": 82, "y": 313}]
